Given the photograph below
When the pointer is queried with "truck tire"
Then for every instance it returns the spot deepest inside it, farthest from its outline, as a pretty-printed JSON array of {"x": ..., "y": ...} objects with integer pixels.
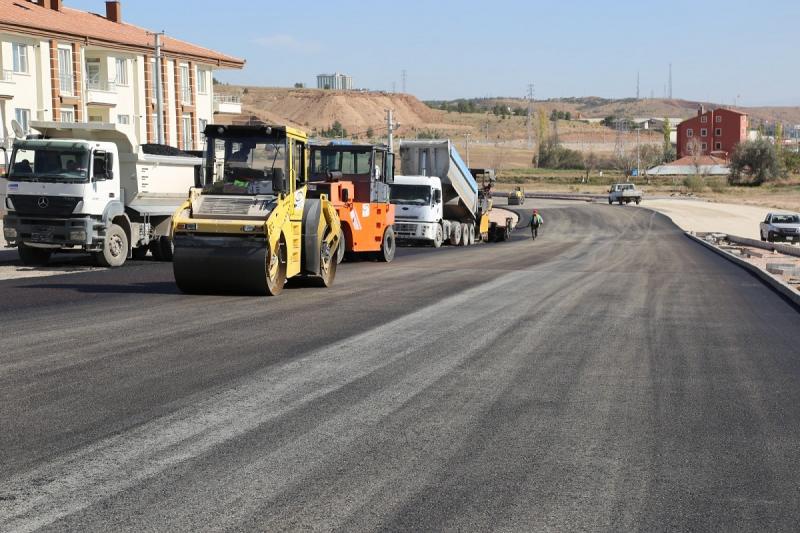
[
  {"x": 388, "y": 246},
  {"x": 327, "y": 268},
  {"x": 342, "y": 248},
  {"x": 464, "y": 235},
  {"x": 115, "y": 248},
  {"x": 275, "y": 270},
  {"x": 637, "y": 201},
  {"x": 33, "y": 256},
  {"x": 140, "y": 252},
  {"x": 455, "y": 234},
  {"x": 438, "y": 237}
]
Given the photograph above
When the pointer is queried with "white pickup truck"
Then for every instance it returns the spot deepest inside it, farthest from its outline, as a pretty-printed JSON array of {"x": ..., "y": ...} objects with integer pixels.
[
  {"x": 780, "y": 227},
  {"x": 624, "y": 193}
]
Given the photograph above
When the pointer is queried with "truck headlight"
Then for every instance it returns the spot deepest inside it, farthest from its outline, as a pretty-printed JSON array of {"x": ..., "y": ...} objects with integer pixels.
[
  {"x": 77, "y": 235},
  {"x": 10, "y": 233}
]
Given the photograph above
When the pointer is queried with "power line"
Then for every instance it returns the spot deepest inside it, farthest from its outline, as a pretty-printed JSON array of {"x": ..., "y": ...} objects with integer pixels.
[{"x": 530, "y": 115}]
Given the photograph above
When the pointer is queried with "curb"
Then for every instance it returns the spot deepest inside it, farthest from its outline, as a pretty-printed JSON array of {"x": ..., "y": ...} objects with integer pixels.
[{"x": 783, "y": 290}]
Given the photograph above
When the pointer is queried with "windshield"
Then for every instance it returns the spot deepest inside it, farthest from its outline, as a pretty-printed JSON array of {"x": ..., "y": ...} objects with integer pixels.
[
  {"x": 411, "y": 194},
  {"x": 49, "y": 164},
  {"x": 786, "y": 219},
  {"x": 349, "y": 162},
  {"x": 247, "y": 165}
]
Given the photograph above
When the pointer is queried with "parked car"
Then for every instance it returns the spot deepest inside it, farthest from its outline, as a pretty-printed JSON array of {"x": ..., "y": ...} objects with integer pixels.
[
  {"x": 624, "y": 193},
  {"x": 516, "y": 196},
  {"x": 781, "y": 227}
]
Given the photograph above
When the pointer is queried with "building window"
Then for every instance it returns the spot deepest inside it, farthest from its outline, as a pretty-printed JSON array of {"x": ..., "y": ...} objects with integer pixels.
[
  {"x": 187, "y": 133},
  {"x": 718, "y": 132},
  {"x": 704, "y": 146},
  {"x": 95, "y": 118},
  {"x": 703, "y": 132},
  {"x": 93, "y": 73},
  {"x": 186, "y": 93},
  {"x": 718, "y": 146},
  {"x": 23, "y": 116},
  {"x": 20, "y": 52},
  {"x": 65, "y": 73},
  {"x": 704, "y": 119},
  {"x": 122, "y": 71},
  {"x": 123, "y": 119},
  {"x": 718, "y": 119},
  {"x": 689, "y": 132},
  {"x": 202, "y": 81},
  {"x": 68, "y": 114}
]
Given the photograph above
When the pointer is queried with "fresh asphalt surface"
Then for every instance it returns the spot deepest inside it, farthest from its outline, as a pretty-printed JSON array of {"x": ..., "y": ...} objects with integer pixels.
[{"x": 612, "y": 375}]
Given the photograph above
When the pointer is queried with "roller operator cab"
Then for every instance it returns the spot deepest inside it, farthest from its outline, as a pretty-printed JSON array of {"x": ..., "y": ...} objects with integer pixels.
[
  {"x": 253, "y": 226},
  {"x": 88, "y": 188},
  {"x": 356, "y": 179}
]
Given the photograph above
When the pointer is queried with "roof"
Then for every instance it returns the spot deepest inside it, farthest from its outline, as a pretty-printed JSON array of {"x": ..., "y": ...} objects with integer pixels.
[
  {"x": 28, "y": 18},
  {"x": 702, "y": 160}
]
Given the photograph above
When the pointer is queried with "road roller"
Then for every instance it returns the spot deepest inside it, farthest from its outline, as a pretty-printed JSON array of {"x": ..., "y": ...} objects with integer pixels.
[{"x": 252, "y": 226}]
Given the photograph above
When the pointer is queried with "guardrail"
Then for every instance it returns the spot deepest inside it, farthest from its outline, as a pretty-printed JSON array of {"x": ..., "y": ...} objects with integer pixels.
[{"x": 101, "y": 85}]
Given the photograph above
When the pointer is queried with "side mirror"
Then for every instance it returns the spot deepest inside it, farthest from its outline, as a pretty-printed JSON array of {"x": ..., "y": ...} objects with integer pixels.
[
  {"x": 109, "y": 166},
  {"x": 278, "y": 180},
  {"x": 437, "y": 196},
  {"x": 345, "y": 195}
]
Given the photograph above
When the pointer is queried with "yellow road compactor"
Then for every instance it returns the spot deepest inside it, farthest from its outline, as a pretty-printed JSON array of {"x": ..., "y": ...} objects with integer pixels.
[{"x": 252, "y": 226}]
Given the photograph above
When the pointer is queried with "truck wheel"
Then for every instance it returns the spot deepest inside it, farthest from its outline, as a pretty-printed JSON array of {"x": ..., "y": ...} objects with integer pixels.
[
  {"x": 115, "y": 248},
  {"x": 439, "y": 237},
  {"x": 455, "y": 235},
  {"x": 388, "y": 246},
  {"x": 620, "y": 201},
  {"x": 637, "y": 201},
  {"x": 327, "y": 265},
  {"x": 464, "y": 235},
  {"x": 33, "y": 256},
  {"x": 342, "y": 248},
  {"x": 275, "y": 270}
]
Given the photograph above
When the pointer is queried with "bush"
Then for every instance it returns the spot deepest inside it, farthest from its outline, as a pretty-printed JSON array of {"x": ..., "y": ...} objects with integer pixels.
[
  {"x": 791, "y": 162},
  {"x": 754, "y": 162},
  {"x": 694, "y": 183},
  {"x": 553, "y": 155}
]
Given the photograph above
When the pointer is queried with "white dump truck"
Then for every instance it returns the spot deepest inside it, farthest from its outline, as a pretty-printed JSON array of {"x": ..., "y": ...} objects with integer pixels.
[
  {"x": 624, "y": 193},
  {"x": 87, "y": 187},
  {"x": 439, "y": 200}
]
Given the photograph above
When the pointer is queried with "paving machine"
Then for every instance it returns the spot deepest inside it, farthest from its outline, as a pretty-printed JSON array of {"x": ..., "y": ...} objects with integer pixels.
[
  {"x": 253, "y": 226},
  {"x": 356, "y": 179}
]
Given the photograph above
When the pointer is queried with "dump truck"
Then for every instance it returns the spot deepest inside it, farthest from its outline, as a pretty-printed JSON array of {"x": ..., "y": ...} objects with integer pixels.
[
  {"x": 254, "y": 226},
  {"x": 439, "y": 200},
  {"x": 86, "y": 187},
  {"x": 356, "y": 179}
]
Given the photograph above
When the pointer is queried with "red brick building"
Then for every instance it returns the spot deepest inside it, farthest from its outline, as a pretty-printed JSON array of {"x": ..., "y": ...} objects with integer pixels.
[{"x": 716, "y": 132}]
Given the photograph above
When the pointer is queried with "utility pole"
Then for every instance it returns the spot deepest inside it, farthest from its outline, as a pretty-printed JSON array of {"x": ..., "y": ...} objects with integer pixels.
[
  {"x": 670, "y": 81},
  {"x": 390, "y": 128},
  {"x": 638, "y": 159},
  {"x": 530, "y": 116},
  {"x": 158, "y": 88},
  {"x": 403, "y": 79}
]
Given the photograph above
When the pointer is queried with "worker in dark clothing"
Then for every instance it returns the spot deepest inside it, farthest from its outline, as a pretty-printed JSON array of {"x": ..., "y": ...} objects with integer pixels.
[{"x": 536, "y": 221}]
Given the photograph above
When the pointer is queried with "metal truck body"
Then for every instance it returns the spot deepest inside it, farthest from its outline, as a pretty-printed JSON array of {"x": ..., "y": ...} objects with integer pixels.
[
  {"x": 86, "y": 187},
  {"x": 254, "y": 225},
  {"x": 356, "y": 179}
]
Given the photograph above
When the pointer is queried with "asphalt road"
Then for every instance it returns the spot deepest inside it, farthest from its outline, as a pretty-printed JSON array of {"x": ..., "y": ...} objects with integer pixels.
[{"x": 612, "y": 375}]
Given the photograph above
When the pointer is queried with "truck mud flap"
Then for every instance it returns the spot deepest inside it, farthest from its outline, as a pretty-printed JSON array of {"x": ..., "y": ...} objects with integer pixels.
[{"x": 220, "y": 264}]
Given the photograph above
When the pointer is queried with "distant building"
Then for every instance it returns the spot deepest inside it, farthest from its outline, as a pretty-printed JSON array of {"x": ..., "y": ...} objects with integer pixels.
[
  {"x": 336, "y": 82},
  {"x": 715, "y": 132}
]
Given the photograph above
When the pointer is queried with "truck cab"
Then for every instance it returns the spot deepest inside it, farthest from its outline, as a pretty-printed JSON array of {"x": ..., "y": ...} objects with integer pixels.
[
  {"x": 418, "y": 200},
  {"x": 624, "y": 193}
]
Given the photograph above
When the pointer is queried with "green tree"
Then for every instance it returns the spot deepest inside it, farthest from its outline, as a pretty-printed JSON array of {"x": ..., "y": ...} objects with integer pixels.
[
  {"x": 553, "y": 115},
  {"x": 779, "y": 138},
  {"x": 370, "y": 133},
  {"x": 553, "y": 155},
  {"x": 668, "y": 154},
  {"x": 754, "y": 162},
  {"x": 567, "y": 116}
]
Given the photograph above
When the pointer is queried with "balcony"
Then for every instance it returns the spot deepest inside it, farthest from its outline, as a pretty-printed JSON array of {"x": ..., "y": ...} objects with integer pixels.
[
  {"x": 6, "y": 84},
  {"x": 227, "y": 104},
  {"x": 100, "y": 92}
]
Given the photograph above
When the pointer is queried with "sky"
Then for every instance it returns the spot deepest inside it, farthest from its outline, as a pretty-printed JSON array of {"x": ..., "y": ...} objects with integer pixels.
[{"x": 729, "y": 52}]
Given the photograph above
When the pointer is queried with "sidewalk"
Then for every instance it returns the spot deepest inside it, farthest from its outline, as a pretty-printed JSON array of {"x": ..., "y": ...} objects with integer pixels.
[{"x": 702, "y": 216}]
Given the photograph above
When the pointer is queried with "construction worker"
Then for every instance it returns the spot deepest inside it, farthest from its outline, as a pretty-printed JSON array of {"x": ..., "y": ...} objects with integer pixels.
[{"x": 536, "y": 221}]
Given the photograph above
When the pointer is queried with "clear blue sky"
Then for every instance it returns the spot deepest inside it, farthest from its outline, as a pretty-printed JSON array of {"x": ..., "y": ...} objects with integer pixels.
[{"x": 453, "y": 49}]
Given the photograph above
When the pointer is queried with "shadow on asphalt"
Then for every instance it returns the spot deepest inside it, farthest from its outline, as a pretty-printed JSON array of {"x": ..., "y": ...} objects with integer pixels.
[{"x": 158, "y": 287}]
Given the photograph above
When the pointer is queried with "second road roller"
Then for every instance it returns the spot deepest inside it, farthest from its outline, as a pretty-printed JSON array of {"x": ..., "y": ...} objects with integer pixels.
[{"x": 252, "y": 225}]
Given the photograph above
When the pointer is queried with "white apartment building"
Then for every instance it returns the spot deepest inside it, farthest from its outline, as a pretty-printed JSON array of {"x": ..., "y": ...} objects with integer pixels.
[
  {"x": 62, "y": 64},
  {"x": 335, "y": 81}
]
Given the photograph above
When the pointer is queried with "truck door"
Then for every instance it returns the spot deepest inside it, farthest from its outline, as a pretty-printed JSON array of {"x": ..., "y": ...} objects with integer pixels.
[{"x": 104, "y": 177}]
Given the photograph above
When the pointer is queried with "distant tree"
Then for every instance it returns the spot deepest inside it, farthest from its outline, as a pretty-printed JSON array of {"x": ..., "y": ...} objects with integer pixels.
[
  {"x": 650, "y": 155},
  {"x": 590, "y": 163},
  {"x": 779, "y": 138},
  {"x": 668, "y": 154},
  {"x": 215, "y": 81},
  {"x": 553, "y": 155},
  {"x": 370, "y": 133},
  {"x": 327, "y": 87},
  {"x": 245, "y": 91},
  {"x": 754, "y": 162},
  {"x": 553, "y": 115},
  {"x": 791, "y": 161},
  {"x": 567, "y": 115},
  {"x": 335, "y": 131},
  {"x": 610, "y": 121},
  {"x": 299, "y": 85},
  {"x": 543, "y": 129}
]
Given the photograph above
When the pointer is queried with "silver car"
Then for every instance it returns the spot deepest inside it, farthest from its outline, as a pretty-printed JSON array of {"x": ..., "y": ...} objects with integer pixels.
[{"x": 781, "y": 227}]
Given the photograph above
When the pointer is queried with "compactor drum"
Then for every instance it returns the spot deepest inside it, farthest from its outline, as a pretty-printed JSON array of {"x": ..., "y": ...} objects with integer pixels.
[{"x": 252, "y": 226}]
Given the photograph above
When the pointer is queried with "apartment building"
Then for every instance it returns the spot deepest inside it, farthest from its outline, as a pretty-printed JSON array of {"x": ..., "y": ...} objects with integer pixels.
[
  {"x": 715, "y": 132},
  {"x": 62, "y": 64},
  {"x": 335, "y": 81}
]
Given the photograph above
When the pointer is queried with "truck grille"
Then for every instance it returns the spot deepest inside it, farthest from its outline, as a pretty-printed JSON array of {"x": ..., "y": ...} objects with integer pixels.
[
  {"x": 405, "y": 228},
  {"x": 51, "y": 206}
]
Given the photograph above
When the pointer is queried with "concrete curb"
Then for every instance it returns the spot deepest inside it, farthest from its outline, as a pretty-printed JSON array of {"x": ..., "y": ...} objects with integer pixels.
[{"x": 792, "y": 295}]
